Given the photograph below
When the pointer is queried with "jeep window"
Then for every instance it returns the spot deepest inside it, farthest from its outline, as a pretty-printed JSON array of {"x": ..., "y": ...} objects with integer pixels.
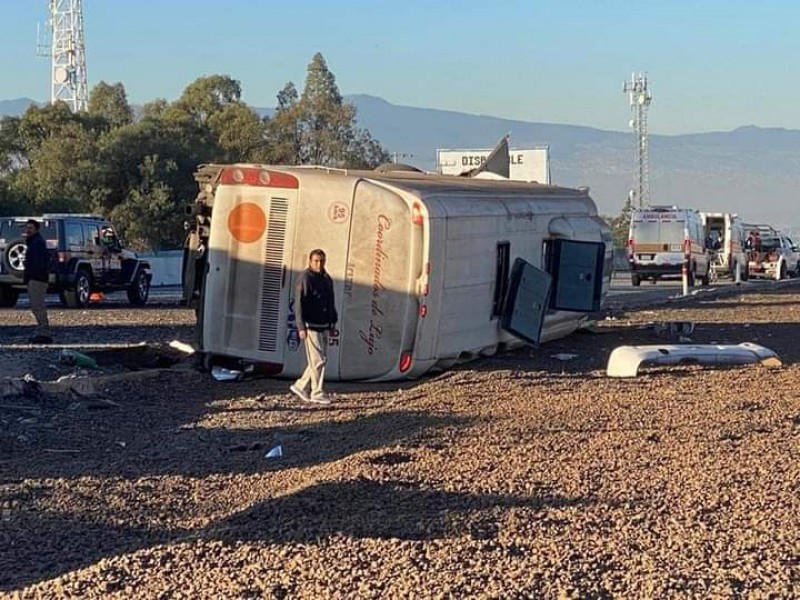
[
  {"x": 12, "y": 229},
  {"x": 92, "y": 234},
  {"x": 74, "y": 234}
]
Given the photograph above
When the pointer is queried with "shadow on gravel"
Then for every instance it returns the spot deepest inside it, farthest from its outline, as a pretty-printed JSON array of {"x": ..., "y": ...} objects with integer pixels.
[
  {"x": 100, "y": 333},
  {"x": 138, "y": 443},
  {"x": 37, "y": 545},
  {"x": 227, "y": 450},
  {"x": 592, "y": 350},
  {"x": 360, "y": 509},
  {"x": 31, "y": 552},
  {"x": 366, "y": 509}
]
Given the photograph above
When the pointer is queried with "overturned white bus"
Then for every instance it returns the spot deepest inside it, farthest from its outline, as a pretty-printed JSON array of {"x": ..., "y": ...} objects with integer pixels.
[{"x": 428, "y": 270}]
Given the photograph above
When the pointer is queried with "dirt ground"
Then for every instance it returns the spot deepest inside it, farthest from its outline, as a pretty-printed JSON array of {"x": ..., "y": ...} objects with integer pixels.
[{"x": 517, "y": 476}]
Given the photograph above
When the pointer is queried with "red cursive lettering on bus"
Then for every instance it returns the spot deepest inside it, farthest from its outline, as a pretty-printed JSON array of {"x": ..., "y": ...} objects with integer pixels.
[{"x": 379, "y": 259}]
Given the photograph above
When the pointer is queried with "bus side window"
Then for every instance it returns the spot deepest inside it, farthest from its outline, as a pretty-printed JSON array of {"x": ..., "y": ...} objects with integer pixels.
[
  {"x": 547, "y": 256},
  {"x": 502, "y": 267}
]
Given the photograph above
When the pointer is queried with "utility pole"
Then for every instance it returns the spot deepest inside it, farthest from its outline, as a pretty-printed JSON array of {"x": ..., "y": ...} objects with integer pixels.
[
  {"x": 67, "y": 52},
  {"x": 640, "y": 98}
]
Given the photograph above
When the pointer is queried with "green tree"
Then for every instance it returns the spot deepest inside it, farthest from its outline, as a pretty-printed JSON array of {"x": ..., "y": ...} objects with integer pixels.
[
  {"x": 110, "y": 102},
  {"x": 148, "y": 218},
  {"x": 283, "y": 129},
  {"x": 620, "y": 225},
  {"x": 59, "y": 150},
  {"x": 207, "y": 96},
  {"x": 327, "y": 125},
  {"x": 239, "y": 133},
  {"x": 12, "y": 152},
  {"x": 154, "y": 109}
]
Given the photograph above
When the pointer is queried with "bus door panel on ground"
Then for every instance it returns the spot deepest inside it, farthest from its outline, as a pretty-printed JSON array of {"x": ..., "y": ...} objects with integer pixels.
[
  {"x": 379, "y": 308},
  {"x": 527, "y": 301},
  {"x": 246, "y": 297}
]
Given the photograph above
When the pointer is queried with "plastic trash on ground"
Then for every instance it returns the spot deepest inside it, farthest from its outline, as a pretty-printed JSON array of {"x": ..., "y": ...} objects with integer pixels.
[
  {"x": 275, "y": 452},
  {"x": 673, "y": 330},
  {"x": 72, "y": 357},
  {"x": 223, "y": 374},
  {"x": 182, "y": 347},
  {"x": 626, "y": 360}
]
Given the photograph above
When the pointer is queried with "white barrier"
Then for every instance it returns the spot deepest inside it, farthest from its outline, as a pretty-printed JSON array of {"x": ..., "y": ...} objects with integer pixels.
[{"x": 166, "y": 266}]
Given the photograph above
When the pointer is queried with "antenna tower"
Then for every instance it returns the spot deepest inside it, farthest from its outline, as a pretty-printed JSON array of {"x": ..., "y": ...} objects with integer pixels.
[
  {"x": 67, "y": 52},
  {"x": 639, "y": 97}
]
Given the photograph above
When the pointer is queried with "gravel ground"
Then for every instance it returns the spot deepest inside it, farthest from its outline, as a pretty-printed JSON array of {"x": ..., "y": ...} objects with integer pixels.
[{"x": 518, "y": 476}]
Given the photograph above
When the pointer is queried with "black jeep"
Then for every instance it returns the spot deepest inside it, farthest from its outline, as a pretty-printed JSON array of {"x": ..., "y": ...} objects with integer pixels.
[{"x": 85, "y": 257}]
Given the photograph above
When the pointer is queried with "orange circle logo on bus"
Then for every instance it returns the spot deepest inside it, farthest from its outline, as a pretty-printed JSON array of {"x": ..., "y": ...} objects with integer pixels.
[{"x": 247, "y": 222}]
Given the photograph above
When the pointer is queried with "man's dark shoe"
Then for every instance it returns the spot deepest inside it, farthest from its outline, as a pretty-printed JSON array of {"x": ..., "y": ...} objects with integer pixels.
[{"x": 41, "y": 339}]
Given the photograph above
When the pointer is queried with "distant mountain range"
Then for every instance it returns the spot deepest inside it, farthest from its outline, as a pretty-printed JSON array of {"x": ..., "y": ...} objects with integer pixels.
[{"x": 753, "y": 171}]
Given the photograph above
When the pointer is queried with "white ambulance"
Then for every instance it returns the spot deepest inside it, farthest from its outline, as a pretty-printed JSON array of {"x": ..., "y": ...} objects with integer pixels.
[
  {"x": 428, "y": 270},
  {"x": 662, "y": 240}
]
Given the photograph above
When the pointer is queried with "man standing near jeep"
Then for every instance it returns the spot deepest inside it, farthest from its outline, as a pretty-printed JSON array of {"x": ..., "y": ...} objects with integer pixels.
[{"x": 35, "y": 276}]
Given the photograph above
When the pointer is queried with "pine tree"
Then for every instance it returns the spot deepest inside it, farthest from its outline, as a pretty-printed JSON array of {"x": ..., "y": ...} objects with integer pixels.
[{"x": 327, "y": 125}]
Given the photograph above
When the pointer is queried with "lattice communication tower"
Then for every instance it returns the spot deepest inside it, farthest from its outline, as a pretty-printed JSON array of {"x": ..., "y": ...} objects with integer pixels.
[
  {"x": 67, "y": 51},
  {"x": 640, "y": 98}
]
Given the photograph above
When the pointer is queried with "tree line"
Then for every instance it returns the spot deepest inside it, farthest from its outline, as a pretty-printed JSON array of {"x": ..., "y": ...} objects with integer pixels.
[{"x": 136, "y": 168}]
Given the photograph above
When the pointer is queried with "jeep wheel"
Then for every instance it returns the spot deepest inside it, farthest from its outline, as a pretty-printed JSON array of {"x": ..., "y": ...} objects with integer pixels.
[
  {"x": 781, "y": 272},
  {"x": 79, "y": 296},
  {"x": 14, "y": 257},
  {"x": 139, "y": 290},
  {"x": 8, "y": 296},
  {"x": 636, "y": 280}
]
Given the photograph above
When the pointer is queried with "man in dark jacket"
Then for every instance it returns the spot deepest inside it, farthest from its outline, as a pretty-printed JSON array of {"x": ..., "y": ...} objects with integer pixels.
[
  {"x": 316, "y": 317},
  {"x": 35, "y": 276}
]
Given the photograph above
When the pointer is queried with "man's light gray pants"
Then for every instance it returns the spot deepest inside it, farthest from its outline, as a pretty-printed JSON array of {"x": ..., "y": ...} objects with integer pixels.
[
  {"x": 316, "y": 345},
  {"x": 36, "y": 294}
]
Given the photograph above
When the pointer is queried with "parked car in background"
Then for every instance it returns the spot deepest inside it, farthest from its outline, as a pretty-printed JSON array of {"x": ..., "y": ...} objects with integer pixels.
[
  {"x": 772, "y": 255},
  {"x": 86, "y": 257}
]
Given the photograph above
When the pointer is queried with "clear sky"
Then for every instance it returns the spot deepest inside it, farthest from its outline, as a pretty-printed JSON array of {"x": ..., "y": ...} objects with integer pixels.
[{"x": 712, "y": 65}]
